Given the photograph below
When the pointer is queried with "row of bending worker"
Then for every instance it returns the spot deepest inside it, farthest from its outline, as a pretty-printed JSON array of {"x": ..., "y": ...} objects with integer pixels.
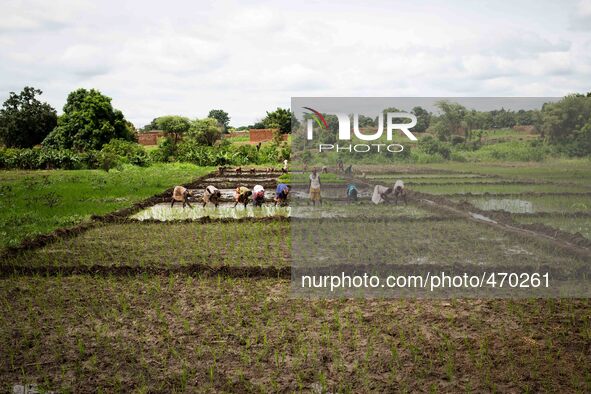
[
  {"x": 381, "y": 193},
  {"x": 242, "y": 195}
]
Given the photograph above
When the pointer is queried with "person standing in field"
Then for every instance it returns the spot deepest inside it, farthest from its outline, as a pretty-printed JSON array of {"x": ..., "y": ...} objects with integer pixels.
[
  {"x": 241, "y": 195},
  {"x": 315, "y": 187},
  {"x": 258, "y": 196},
  {"x": 380, "y": 194},
  {"x": 285, "y": 167},
  {"x": 399, "y": 191}
]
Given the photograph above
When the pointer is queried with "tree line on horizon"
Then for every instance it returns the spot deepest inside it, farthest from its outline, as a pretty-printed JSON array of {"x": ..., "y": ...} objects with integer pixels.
[
  {"x": 91, "y": 133},
  {"x": 89, "y": 121}
]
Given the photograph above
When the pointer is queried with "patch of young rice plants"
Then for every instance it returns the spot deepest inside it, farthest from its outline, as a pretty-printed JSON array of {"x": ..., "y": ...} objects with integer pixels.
[
  {"x": 565, "y": 171},
  {"x": 437, "y": 177},
  {"x": 581, "y": 225},
  {"x": 499, "y": 188},
  {"x": 549, "y": 203},
  {"x": 443, "y": 243},
  {"x": 184, "y": 334},
  {"x": 387, "y": 246},
  {"x": 167, "y": 245},
  {"x": 164, "y": 212},
  {"x": 361, "y": 210}
]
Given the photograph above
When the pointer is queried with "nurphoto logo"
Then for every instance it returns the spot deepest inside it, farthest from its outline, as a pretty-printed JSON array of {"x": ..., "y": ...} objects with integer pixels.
[{"x": 344, "y": 131}]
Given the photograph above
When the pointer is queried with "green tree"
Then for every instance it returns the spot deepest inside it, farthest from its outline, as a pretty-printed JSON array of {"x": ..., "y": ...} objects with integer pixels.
[
  {"x": 451, "y": 120},
  {"x": 205, "y": 131},
  {"x": 280, "y": 118},
  {"x": 151, "y": 126},
  {"x": 24, "y": 120},
  {"x": 523, "y": 117},
  {"x": 222, "y": 117},
  {"x": 423, "y": 119},
  {"x": 503, "y": 118},
  {"x": 89, "y": 121},
  {"x": 567, "y": 123},
  {"x": 174, "y": 126}
]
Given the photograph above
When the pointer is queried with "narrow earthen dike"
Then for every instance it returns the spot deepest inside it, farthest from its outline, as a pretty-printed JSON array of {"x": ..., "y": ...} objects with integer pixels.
[{"x": 191, "y": 269}]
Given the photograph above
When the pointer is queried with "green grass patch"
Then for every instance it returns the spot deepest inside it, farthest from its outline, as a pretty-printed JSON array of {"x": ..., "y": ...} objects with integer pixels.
[{"x": 37, "y": 202}]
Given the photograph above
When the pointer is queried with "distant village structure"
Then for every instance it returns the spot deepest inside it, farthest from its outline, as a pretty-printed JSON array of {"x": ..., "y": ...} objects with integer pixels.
[
  {"x": 263, "y": 135},
  {"x": 150, "y": 137}
]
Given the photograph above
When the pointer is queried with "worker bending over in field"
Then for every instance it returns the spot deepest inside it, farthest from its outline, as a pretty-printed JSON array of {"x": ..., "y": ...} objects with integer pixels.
[
  {"x": 211, "y": 194},
  {"x": 281, "y": 194},
  {"x": 315, "y": 187},
  {"x": 258, "y": 195},
  {"x": 241, "y": 195},
  {"x": 180, "y": 194},
  {"x": 380, "y": 194},
  {"x": 352, "y": 192},
  {"x": 399, "y": 191}
]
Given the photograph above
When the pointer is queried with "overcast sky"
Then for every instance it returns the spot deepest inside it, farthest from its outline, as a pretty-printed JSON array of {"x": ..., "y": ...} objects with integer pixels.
[{"x": 187, "y": 57}]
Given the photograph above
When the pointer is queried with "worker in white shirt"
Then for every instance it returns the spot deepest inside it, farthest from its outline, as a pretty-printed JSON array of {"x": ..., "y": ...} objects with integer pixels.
[
  {"x": 315, "y": 187},
  {"x": 380, "y": 194}
]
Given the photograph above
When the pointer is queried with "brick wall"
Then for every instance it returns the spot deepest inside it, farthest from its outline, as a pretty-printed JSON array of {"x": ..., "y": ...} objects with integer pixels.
[
  {"x": 149, "y": 137},
  {"x": 262, "y": 135}
]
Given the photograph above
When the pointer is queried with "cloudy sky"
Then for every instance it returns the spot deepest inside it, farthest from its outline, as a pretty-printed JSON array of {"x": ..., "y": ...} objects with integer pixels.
[{"x": 187, "y": 57}]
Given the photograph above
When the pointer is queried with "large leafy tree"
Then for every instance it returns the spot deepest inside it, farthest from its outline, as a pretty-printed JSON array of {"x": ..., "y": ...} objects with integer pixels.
[
  {"x": 451, "y": 120},
  {"x": 280, "y": 118},
  {"x": 205, "y": 131},
  {"x": 222, "y": 117},
  {"x": 568, "y": 123},
  {"x": 89, "y": 122},
  {"x": 423, "y": 119},
  {"x": 173, "y": 125},
  {"x": 24, "y": 120}
]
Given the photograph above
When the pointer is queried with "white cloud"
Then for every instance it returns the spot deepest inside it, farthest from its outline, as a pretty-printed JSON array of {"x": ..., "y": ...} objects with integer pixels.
[
  {"x": 34, "y": 15},
  {"x": 581, "y": 17},
  {"x": 186, "y": 57}
]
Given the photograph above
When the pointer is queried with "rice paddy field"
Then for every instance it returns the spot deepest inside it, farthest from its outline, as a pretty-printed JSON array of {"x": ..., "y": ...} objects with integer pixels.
[{"x": 197, "y": 300}]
